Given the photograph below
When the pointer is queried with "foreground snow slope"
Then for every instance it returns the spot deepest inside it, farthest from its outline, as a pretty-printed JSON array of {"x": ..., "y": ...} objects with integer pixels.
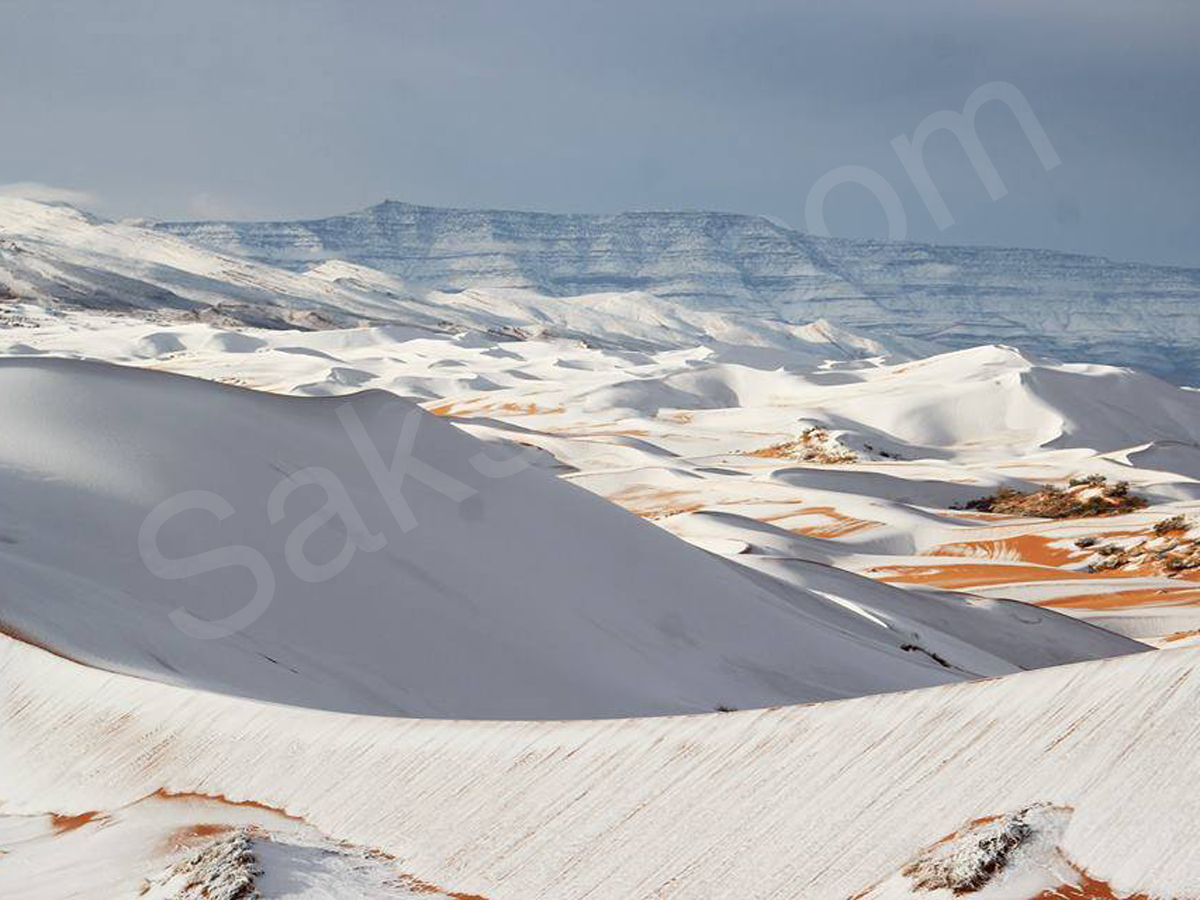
[
  {"x": 1058, "y": 303},
  {"x": 819, "y": 802},
  {"x": 521, "y": 596}
]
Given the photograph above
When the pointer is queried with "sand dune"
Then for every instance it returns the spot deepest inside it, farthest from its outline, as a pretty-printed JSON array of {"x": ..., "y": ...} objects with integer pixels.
[
  {"x": 487, "y": 608},
  {"x": 825, "y": 800}
]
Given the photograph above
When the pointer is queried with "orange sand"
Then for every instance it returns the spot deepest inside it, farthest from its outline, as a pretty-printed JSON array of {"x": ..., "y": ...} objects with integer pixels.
[
  {"x": 967, "y": 575},
  {"x": 1032, "y": 548},
  {"x": 1122, "y": 599},
  {"x": 63, "y": 824}
]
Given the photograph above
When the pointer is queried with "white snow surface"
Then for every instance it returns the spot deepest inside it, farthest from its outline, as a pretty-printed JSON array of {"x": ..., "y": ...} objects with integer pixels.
[
  {"x": 529, "y": 598},
  {"x": 53, "y": 254},
  {"x": 722, "y": 511},
  {"x": 820, "y": 801},
  {"x": 1084, "y": 308}
]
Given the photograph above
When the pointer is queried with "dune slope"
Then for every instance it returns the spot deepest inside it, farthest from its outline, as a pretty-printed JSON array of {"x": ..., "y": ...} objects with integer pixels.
[
  {"x": 462, "y": 592},
  {"x": 820, "y": 801}
]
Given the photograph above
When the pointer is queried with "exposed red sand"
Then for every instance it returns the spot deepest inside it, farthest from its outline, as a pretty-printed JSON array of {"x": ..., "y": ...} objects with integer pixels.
[
  {"x": 1122, "y": 599},
  {"x": 655, "y": 503},
  {"x": 475, "y": 408},
  {"x": 423, "y": 887},
  {"x": 667, "y": 511},
  {"x": 841, "y": 526},
  {"x": 1032, "y": 548},
  {"x": 164, "y": 794},
  {"x": 1181, "y": 635},
  {"x": 607, "y": 432},
  {"x": 1087, "y": 888},
  {"x": 1036, "y": 557},
  {"x": 63, "y": 824},
  {"x": 190, "y": 835},
  {"x": 967, "y": 575}
]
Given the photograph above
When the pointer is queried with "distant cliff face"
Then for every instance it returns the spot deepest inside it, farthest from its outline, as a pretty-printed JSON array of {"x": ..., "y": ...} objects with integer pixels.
[
  {"x": 712, "y": 259},
  {"x": 1062, "y": 304}
]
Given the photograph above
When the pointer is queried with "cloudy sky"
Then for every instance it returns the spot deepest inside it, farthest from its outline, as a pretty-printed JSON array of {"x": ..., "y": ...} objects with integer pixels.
[{"x": 287, "y": 108}]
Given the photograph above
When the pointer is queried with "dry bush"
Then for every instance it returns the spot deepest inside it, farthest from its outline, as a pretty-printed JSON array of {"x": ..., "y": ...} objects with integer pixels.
[
  {"x": 1086, "y": 497},
  {"x": 1175, "y": 523}
]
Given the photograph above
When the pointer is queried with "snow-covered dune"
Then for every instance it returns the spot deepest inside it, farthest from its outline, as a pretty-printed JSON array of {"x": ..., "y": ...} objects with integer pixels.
[
  {"x": 490, "y": 607},
  {"x": 995, "y": 398},
  {"x": 823, "y": 801},
  {"x": 506, "y": 595}
]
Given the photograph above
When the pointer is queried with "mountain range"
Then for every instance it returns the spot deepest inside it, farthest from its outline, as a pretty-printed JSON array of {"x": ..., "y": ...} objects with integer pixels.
[{"x": 1061, "y": 304}]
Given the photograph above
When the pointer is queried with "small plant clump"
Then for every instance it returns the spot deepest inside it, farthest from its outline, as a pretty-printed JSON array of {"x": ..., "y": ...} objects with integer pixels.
[
  {"x": 225, "y": 869},
  {"x": 815, "y": 445},
  {"x": 1170, "y": 551},
  {"x": 1083, "y": 498},
  {"x": 968, "y": 860},
  {"x": 1173, "y": 524}
]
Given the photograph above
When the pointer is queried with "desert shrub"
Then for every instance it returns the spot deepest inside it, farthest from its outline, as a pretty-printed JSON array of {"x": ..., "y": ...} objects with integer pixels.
[
  {"x": 1053, "y": 502},
  {"x": 1175, "y": 523}
]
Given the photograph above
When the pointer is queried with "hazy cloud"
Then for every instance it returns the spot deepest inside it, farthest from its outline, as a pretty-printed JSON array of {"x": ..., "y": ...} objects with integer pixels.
[
  {"x": 293, "y": 108},
  {"x": 209, "y": 206},
  {"x": 47, "y": 193}
]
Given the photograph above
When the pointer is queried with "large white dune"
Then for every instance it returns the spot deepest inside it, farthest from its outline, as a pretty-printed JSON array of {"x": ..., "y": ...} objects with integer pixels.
[{"x": 529, "y": 598}]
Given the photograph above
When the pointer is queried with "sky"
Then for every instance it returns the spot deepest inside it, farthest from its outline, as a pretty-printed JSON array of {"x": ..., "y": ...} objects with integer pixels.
[{"x": 279, "y": 109}]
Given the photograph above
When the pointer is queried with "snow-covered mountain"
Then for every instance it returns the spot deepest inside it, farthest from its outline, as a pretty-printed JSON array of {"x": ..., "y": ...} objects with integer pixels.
[
  {"x": 1078, "y": 307},
  {"x": 55, "y": 255},
  {"x": 639, "y": 279}
]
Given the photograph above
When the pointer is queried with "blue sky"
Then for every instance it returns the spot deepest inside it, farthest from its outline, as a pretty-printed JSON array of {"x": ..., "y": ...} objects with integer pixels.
[{"x": 275, "y": 109}]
